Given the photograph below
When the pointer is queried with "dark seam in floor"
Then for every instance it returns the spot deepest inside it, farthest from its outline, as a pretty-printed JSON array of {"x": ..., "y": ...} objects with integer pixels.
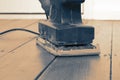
[
  {"x": 18, "y": 47},
  {"x": 22, "y": 44},
  {"x": 111, "y": 53},
  {"x": 31, "y": 24},
  {"x": 38, "y": 76}
]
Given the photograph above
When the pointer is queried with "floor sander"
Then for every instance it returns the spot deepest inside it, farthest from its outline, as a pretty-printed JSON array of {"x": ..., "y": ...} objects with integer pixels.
[{"x": 63, "y": 33}]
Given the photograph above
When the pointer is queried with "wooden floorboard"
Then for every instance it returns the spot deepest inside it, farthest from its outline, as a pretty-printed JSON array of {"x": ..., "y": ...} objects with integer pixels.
[
  {"x": 85, "y": 68},
  {"x": 103, "y": 36},
  {"x": 24, "y": 63},
  {"x": 17, "y": 24},
  {"x": 5, "y": 22},
  {"x": 21, "y": 59},
  {"x": 78, "y": 68},
  {"x": 13, "y": 40},
  {"x": 116, "y": 51}
]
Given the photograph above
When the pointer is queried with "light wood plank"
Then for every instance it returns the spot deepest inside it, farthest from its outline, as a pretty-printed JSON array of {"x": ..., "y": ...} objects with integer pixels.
[
  {"x": 116, "y": 51},
  {"x": 24, "y": 63},
  {"x": 17, "y": 24},
  {"x": 85, "y": 68},
  {"x": 5, "y": 22},
  {"x": 13, "y": 40},
  {"x": 103, "y": 32},
  {"x": 14, "y": 70},
  {"x": 78, "y": 68},
  {"x": 97, "y": 67}
]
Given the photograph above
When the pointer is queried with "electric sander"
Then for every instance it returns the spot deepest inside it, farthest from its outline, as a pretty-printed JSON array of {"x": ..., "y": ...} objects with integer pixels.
[{"x": 63, "y": 34}]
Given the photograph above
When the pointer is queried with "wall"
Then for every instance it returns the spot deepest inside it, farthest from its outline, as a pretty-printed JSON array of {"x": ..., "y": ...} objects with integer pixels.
[
  {"x": 93, "y": 9},
  {"x": 20, "y": 6},
  {"x": 102, "y": 9}
]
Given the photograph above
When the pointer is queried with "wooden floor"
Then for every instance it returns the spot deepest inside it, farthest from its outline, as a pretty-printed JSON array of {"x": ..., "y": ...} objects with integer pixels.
[{"x": 22, "y": 59}]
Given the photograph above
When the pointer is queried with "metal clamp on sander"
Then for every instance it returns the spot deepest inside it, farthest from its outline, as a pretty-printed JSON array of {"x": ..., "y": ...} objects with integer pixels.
[{"x": 63, "y": 34}]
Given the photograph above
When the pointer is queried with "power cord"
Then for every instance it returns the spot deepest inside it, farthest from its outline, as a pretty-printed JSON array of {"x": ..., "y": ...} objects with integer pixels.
[{"x": 19, "y": 29}]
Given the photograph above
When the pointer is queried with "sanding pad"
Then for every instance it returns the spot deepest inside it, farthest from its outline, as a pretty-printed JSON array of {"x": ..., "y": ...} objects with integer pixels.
[{"x": 84, "y": 50}]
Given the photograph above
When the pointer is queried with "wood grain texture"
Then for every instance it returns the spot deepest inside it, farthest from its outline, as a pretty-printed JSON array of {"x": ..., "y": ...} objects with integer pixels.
[
  {"x": 17, "y": 24},
  {"x": 24, "y": 63},
  {"x": 85, "y": 68},
  {"x": 4, "y": 22},
  {"x": 23, "y": 60},
  {"x": 13, "y": 40},
  {"x": 20, "y": 58},
  {"x": 103, "y": 34},
  {"x": 116, "y": 51},
  {"x": 78, "y": 68}
]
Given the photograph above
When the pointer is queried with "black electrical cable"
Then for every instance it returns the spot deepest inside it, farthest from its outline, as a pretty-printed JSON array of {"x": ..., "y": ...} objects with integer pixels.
[{"x": 19, "y": 29}]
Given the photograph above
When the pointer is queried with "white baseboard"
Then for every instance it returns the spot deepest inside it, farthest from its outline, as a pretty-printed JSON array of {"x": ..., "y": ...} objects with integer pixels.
[
  {"x": 21, "y": 16},
  {"x": 95, "y": 16}
]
